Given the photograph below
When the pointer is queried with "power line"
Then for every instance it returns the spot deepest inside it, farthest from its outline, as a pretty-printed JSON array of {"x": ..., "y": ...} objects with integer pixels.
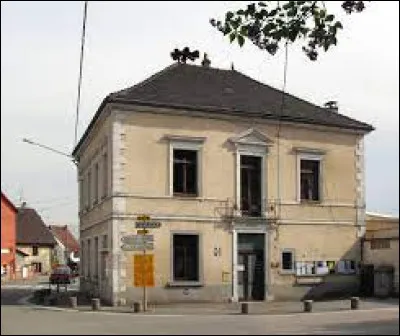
[{"x": 78, "y": 100}]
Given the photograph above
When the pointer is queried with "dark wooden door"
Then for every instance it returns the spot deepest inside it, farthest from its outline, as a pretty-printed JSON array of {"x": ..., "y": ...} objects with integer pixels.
[{"x": 367, "y": 280}]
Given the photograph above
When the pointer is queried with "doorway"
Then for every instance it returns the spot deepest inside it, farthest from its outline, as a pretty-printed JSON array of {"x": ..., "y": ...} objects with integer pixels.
[
  {"x": 367, "y": 280},
  {"x": 251, "y": 266}
]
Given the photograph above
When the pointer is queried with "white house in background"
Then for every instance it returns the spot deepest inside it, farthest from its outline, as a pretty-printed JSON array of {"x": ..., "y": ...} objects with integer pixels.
[{"x": 67, "y": 249}]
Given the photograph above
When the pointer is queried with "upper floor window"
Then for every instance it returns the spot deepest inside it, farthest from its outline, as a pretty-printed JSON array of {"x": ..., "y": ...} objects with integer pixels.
[
  {"x": 96, "y": 183},
  {"x": 185, "y": 168},
  {"x": 105, "y": 175},
  {"x": 89, "y": 189},
  {"x": 81, "y": 201},
  {"x": 185, "y": 155},
  {"x": 309, "y": 180},
  {"x": 250, "y": 185},
  {"x": 35, "y": 251}
]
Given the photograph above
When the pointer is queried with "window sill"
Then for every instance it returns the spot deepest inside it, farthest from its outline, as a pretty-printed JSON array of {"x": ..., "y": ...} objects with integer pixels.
[
  {"x": 177, "y": 284},
  {"x": 183, "y": 195},
  {"x": 246, "y": 216},
  {"x": 287, "y": 272},
  {"x": 310, "y": 202}
]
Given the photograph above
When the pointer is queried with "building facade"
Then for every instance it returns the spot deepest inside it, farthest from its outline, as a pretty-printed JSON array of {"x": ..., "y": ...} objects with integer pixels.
[
  {"x": 8, "y": 233},
  {"x": 66, "y": 252},
  {"x": 34, "y": 242},
  {"x": 381, "y": 245},
  {"x": 255, "y": 202}
]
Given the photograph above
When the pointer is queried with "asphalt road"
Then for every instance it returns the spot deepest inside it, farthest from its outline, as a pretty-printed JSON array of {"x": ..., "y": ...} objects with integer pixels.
[{"x": 28, "y": 320}]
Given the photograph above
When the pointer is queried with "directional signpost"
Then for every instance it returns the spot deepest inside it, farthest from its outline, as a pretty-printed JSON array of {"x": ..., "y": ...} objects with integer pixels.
[{"x": 143, "y": 264}]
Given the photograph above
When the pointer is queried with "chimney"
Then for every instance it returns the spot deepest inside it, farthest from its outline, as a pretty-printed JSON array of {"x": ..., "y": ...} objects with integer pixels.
[
  {"x": 332, "y": 105},
  {"x": 205, "y": 62}
]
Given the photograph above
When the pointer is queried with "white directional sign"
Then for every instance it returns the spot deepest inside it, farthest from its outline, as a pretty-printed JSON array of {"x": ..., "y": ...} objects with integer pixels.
[{"x": 137, "y": 242}]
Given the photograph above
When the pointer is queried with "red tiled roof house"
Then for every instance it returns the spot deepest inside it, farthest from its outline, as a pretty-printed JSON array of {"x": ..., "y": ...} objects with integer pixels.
[
  {"x": 8, "y": 235},
  {"x": 67, "y": 248}
]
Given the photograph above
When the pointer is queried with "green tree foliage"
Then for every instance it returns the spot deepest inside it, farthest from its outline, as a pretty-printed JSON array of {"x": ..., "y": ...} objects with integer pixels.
[{"x": 268, "y": 24}]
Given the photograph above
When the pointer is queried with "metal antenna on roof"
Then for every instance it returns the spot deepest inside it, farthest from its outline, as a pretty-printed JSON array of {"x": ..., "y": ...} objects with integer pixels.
[
  {"x": 22, "y": 203},
  {"x": 78, "y": 100}
]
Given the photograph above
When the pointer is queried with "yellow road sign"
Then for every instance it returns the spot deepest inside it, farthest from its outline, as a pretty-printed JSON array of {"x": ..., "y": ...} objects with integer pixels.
[
  {"x": 143, "y": 268},
  {"x": 142, "y": 231},
  {"x": 143, "y": 218}
]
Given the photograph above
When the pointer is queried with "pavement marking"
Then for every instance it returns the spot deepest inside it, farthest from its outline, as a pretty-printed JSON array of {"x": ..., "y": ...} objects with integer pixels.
[
  {"x": 25, "y": 302},
  {"x": 70, "y": 310}
]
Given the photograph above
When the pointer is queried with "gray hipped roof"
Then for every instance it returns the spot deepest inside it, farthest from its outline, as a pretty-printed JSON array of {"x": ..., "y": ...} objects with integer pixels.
[{"x": 197, "y": 88}]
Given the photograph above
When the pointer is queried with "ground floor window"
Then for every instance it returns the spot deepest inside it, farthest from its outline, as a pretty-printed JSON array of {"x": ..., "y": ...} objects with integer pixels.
[
  {"x": 186, "y": 257},
  {"x": 287, "y": 261}
]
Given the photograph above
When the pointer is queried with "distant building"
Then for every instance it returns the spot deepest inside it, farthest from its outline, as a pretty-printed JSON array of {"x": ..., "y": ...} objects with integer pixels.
[
  {"x": 8, "y": 233},
  {"x": 34, "y": 241},
  {"x": 66, "y": 251},
  {"x": 381, "y": 247}
]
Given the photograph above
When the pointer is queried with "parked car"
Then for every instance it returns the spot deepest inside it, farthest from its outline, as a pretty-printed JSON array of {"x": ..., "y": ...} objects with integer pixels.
[{"x": 61, "y": 275}]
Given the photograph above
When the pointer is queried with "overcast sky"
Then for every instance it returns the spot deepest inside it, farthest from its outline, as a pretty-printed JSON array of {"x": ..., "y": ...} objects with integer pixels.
[{"x": 128, "y": 41}]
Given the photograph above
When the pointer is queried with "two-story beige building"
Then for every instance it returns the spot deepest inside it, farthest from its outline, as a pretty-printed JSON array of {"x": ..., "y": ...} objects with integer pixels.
[{"x": 256, "y": 200}]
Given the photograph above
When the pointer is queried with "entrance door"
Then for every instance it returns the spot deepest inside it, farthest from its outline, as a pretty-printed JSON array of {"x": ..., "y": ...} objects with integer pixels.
[
  {"x": 367, "y": 280},
  {"x": 251, "y": 275}
]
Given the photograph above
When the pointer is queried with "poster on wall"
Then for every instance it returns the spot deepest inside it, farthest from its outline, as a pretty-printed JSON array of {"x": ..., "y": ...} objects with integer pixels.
[
  {"x": 331, "y": 264},
  {"x": 322, "y": 268}
]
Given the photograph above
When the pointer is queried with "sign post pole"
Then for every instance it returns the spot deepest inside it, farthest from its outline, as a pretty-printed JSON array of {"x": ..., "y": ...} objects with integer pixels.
[
  {"x": 142, "y": 242},
  {"x": 144, "y": 277}
]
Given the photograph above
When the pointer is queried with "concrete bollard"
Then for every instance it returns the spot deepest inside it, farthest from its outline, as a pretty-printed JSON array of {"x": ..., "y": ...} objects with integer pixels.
[
  {"x": 95, "y": 304},
  {"x": 136, "y": 307},
  {"x": 244, "y": 308},
  {"x": 308, "y": 305},
  {"x": 73, "y": 302},
  {"x": 354, "y": 302}
]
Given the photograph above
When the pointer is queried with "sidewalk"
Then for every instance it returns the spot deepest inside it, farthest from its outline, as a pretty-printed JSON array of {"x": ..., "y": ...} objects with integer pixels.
[{"x": 258, "y": 308}]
